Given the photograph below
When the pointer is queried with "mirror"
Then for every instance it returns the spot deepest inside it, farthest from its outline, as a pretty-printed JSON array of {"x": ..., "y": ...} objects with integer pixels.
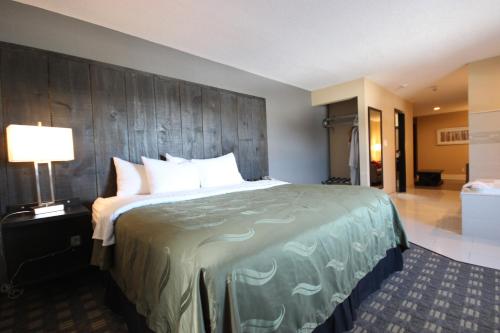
[{"x": 375, "y": 142}]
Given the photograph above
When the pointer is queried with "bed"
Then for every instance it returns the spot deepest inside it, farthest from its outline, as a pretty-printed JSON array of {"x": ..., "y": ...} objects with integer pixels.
[{"x": 263, "y": 256}]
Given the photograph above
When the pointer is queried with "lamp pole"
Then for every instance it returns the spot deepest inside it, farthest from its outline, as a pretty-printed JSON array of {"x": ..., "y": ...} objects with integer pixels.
[{"x": 37, "y": 178}]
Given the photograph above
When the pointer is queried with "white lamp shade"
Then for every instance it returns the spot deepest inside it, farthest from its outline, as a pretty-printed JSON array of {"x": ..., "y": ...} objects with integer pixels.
[{"x": 39, "y": 143}]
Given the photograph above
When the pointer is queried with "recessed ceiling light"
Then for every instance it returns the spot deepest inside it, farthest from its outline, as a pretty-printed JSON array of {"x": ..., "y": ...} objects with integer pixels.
[{"x": 437, "y": 108}]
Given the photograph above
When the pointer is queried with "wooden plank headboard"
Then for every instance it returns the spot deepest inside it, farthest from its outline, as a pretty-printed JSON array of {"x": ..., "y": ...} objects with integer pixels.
[{"x": 116, "y": 111}]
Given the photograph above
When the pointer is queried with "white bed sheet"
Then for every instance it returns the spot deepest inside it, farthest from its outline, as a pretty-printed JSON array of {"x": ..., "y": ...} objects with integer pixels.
[
  {"x": 482, "y": 186},
  {"x": 105, "y": 211}
]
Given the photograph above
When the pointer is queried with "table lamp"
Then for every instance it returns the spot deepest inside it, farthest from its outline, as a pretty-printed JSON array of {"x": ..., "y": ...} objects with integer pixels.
[{"x": 40, "y": 145}]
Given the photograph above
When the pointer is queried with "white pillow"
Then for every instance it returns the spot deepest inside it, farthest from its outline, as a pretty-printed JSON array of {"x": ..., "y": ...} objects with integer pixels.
[
  {"x": 219, "y": 171},
  {"x": 167, "y": 176},
  {"x": 175, "y": 158},
  {"x": 130, "y": 178}
]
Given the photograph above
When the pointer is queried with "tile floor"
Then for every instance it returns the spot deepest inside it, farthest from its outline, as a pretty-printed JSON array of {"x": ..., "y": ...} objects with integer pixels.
[{"x": 432, "y": 219}]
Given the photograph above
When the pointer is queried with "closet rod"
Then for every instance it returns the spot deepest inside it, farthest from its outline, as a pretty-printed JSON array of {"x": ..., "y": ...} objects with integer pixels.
[
  {"x": 347, "y": 116},
  {"x": 330, "y": 121}
]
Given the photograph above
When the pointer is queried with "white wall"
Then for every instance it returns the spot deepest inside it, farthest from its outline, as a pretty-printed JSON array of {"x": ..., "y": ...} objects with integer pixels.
[{"x": 484, "y": 118}]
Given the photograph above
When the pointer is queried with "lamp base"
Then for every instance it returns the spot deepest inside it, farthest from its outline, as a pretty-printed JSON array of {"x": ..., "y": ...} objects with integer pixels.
[{"x": 48, "y": 209}]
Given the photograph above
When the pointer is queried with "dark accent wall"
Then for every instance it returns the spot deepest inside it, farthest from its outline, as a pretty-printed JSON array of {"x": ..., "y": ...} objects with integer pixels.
[{"x": 116, "y": 111}]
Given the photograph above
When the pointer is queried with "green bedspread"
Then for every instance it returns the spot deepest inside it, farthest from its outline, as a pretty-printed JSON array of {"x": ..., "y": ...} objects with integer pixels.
[{"x": 277, "y": 259}]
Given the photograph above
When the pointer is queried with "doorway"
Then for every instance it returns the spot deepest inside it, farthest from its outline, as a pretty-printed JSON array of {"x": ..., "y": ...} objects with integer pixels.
[{"x": 399, "y": 130}]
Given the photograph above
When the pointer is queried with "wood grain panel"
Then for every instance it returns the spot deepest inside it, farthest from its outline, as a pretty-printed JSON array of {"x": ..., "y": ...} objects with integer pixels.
[
  {"x": 246, "y": 151},
  {"x": 211, "y": 106},
  {"x": 229, "y": 124},
  {"x": 252, "y": 136},
  {"x": 3, "y": 184},
  {"x": 141, "y": 116},
  {"x": 115, "y": 111},
  {"x": 260, "y": 137},
  {"x": 110, "y": 124},
  {"x": 3, "y": 161},
  {"x": 71, "y": 106},
  {"x": 25, "y": 102},
  {"x": 192, "y": 121},
  {"x": 168, "y": 117}
]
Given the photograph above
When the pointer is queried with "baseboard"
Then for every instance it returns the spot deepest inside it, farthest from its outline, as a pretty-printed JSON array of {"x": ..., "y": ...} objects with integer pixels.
[{"x": 450, "y": 176}]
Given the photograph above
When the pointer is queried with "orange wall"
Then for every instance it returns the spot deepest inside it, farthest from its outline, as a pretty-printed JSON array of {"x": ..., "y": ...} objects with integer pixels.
[{"x": 450, "y": 158}]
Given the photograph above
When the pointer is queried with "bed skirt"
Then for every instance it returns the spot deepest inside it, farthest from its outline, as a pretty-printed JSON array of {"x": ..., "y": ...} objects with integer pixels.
[{"x": 341, "y": 320}]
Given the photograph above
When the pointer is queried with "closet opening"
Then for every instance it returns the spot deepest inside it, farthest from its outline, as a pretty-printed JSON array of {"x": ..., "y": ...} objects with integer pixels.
[{"x": 343, "y": 138}]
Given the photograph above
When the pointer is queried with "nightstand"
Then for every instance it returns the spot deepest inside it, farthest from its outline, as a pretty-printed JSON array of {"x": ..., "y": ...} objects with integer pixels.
[{"x": 28, "y": 236}]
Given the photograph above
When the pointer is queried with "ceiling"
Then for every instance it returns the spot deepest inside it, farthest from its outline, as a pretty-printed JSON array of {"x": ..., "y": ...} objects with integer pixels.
[
  {"x": 448, "y": 93},
  {"x": 311, "y": 44}
]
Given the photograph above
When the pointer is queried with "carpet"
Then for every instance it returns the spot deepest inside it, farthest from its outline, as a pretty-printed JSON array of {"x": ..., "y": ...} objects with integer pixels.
[
  {"x": 432, "y": 294},
  {"x": 69, "y": 305}
]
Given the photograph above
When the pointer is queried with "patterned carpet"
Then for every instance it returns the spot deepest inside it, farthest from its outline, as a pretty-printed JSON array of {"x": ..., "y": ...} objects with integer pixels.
[
  {"x": 74, "y": 305},
  {"x": 432, "y": 294}
]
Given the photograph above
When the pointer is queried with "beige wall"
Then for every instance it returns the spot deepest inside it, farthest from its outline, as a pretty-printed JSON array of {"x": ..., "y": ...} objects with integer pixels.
[
  {"x": 484, "y": 85},
  {"x": 380, "y": 98},
  {"x": 484, "y": 118},
  {"x": 338, "y": 92},
  {"x": 450, "y": 158},
  {"x": 342, "y": 92},
  {"x": 373, "y": 95}
]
